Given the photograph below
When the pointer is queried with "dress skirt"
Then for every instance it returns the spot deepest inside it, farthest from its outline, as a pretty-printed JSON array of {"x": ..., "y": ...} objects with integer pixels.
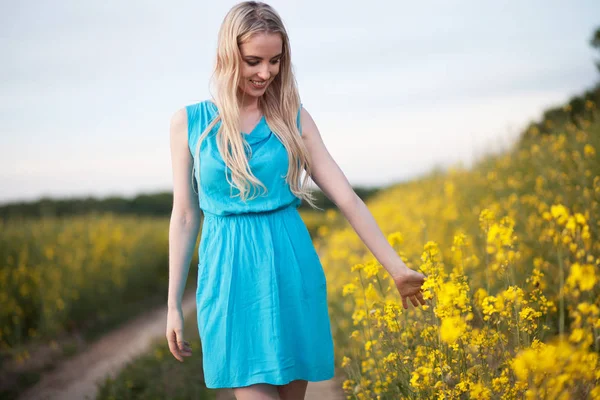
[{"x": 261, "y": 301}]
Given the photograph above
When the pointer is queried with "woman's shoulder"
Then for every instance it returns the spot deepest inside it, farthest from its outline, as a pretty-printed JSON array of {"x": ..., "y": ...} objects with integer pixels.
[
  {"x": 198, "y": 107},
  {"x": 199, "y": 113}
]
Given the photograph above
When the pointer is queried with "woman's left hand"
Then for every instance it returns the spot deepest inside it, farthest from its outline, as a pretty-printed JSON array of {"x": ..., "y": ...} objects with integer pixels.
[{"x": 409, "y": 282}]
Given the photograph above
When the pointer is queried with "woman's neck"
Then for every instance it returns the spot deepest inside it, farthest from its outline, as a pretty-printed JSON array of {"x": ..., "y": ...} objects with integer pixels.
[{"x": 248, "y": 103}]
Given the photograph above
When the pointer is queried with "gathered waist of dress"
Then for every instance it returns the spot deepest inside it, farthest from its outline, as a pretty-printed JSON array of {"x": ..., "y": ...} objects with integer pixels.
[{"x": 251, "y": 214}]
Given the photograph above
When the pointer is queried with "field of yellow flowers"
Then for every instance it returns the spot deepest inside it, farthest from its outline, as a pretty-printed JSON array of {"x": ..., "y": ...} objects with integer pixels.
[
  {"x": 63, "y": 274},
  {"x": 511, "y": 253}
]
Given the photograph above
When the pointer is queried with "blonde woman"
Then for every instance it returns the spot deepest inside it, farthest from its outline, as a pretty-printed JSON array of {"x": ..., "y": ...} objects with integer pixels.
[{"x": 239, "y": 160}]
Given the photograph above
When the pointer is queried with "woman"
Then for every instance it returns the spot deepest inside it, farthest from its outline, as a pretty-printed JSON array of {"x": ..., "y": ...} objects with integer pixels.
[{"x": 261, "y": 291}]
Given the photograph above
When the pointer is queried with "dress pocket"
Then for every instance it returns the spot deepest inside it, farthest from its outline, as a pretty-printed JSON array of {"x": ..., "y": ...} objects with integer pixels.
[
  {"x": 205, "y": 253},
  {"x": 315, "y": 282},
  {"x": 301, "y": 247},
  {"x": 318, "y": 281}
]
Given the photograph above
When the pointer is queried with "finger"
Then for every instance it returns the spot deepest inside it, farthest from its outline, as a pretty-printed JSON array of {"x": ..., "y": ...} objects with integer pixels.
[
  {"x": 179, "y": 338},
  {"x": 176, "y": 350},
  {"x": 173, "y": 346},
  {"x": 414, "y": 301},
  {"x": 182, "y": 345},
  {"x": 420, "y": 298},
  {"x": 404, "y": 303},
  {"x": 185, "y": 348},
  {"x": 179, "y": 335}
]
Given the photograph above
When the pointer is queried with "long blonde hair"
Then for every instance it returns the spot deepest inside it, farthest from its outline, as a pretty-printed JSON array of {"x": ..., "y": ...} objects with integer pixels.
[{"x": 279, "y": 103}]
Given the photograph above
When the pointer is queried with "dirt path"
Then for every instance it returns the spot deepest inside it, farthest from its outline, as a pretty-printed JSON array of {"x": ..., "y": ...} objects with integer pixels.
[{"x": 76, "y": 378}]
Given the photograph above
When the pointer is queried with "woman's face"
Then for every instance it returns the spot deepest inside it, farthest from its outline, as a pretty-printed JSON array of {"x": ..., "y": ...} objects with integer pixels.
[{"x": 261, "y": 55}]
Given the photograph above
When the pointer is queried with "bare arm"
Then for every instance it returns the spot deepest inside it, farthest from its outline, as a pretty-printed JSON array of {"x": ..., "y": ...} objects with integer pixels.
[
  {"x": 334, "y": 184},
  {"x": 185, "y": 216}
]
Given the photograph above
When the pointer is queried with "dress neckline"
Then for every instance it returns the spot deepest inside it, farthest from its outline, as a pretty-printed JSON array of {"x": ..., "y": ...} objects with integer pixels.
[
  {"x": 260, "y": 121},
  {"x": 246, "y": 134},
  {"x": 259, "y": 134}
]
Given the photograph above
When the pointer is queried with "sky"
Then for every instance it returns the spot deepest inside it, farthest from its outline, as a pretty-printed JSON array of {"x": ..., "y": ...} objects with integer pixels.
[{"x": 396, "y": 88}]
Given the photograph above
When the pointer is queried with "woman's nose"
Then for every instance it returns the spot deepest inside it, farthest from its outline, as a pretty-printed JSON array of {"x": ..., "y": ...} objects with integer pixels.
[{"x": 264, "y": 73}]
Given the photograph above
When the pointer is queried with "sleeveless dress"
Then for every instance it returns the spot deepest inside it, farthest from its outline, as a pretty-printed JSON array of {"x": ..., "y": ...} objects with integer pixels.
[{"x": 261, "y": 293}]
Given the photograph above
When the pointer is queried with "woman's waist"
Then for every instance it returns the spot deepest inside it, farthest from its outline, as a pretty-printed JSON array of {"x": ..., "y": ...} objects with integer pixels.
[{"x": 250, "y": 213}]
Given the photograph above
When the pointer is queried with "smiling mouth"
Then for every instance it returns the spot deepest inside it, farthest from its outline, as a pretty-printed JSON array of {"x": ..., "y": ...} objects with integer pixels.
[{"x": 258, "y": 84}]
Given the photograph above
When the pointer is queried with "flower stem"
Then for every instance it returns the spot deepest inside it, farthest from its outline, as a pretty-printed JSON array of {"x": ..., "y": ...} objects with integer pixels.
[{"x": 561, "y": 323}]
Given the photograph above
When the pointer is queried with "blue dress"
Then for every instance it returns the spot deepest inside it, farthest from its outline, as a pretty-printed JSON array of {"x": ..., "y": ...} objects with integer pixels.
[{"x": 261, "y": 293}]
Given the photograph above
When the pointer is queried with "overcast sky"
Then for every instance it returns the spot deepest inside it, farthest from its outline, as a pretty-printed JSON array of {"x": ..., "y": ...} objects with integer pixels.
[{"x": 395, "y": 87}]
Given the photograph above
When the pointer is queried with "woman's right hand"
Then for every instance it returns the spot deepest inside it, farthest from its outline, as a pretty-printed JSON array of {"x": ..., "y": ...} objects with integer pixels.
[{"x": 177, "y": 345}]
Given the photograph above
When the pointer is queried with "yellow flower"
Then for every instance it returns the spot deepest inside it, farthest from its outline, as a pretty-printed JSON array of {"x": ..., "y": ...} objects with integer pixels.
[
  {"x": 395, "y": 239},
  {"x": 357, "y": 267},
  {"x": 479, "y": 391},
  {"x": 514, "y": 294},
  {"x": 460, "y": 239},
  {"x": 452, "y": 328},
  {"x": 330, "y": 214},
  {"x": 529, "y": 313},
  {"x": 348, "y": 288},
  {"x": 491, "y": 305},
  {"x": 358, "y": 316},
  {"x": 589, "y": 150},
  {"x": 371, "y": 269},
  {"x": 323, "y": 230},
  {"x": 480, "y": 294},
  {"x": 348, "y": 384},
  {"x": 499, "y": 383},
  {"x": 486, "y": 217},
  {"x": 582, "y": 276},
  {"x": 345, "y": 361},
  {"x": 587, "y": 308},
  {"x": 577, "y": 335},
  {"x": 370, "y": 344},
  {"x": 390, "y": 358},
  {"x": 560, "y": 213},
  {"x": 370, "y": 293},
  {"x": 580, "y": 218}
]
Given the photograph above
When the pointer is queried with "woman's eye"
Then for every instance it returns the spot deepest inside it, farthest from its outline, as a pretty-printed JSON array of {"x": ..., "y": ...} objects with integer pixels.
[{"x": 255, "y": 63}]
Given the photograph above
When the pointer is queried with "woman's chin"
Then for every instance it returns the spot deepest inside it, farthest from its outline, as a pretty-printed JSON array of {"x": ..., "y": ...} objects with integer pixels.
[
  {"x": 258, "y": 91},
  {"x": 254, "y": 92},
  {"x": 250, "y": 90}
]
